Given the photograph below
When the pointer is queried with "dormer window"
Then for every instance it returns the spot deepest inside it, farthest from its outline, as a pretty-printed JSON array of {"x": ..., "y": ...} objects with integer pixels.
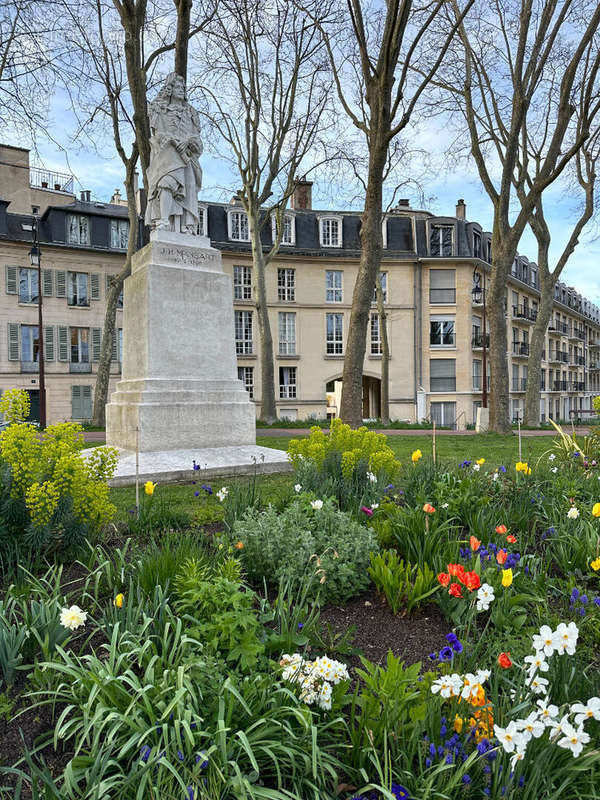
[
  {"x": 202, "y": 221},
  {"x": 440, "y": 240},
  {"x": 238, "y": 226},
  {"x": 78, "y": 229},
  {"x": 476, "y": 244},
  {"x": 288, "y": 234},
  {"x": 330, "y": 231},
  {"x": 119, "y": 234}
]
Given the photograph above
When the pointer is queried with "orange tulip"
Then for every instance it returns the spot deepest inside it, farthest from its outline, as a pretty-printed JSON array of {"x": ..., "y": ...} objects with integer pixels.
[
  {"x": 239, "y": 545},
  {"x": 475, "y": 543},
  {"x": 428, "y": 508},
  {"x": 455, "y": 590},
  {"x": 504, "y": 660},
  {"x": 443, "y": 578},
  {"x": 501, "y": 556},
  {"x": 511, "y": 539},
  {"x": 501, "y": 529},
  {"x": 472, "y": 581}
]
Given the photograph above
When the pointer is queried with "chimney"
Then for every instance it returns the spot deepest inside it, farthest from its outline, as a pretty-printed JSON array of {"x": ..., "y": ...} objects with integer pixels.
[
  {"x": 116, "y": 198},
  {"x": 403, "y": 202},
  {"x": 302, "y": 197},
  {"x": 461, "y": 209},
  {"x": 86, "y": 196}
]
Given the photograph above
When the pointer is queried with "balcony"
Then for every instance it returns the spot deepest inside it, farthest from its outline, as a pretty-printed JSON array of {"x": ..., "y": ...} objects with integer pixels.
[
  {"x": 477, "y": 341},
  {"x": 578, "y": 361},
  {"x": 524, "y": 314},
  {"x": 520, "y": 349},
  {"x": 30, "y": 366},
  {"x": 558, "y": 328},
  {"x": 560, "y": 386},
  {"x": 80, "y": 366},
  {"x": 48, "y": 179},
  {"x": 594, "y": 365},
  {"x": 576, "y": 335},
  {"x": 519, "y": 385},
  {"x": 577, "y": 386},
  {"x": 477, "y": 382}
]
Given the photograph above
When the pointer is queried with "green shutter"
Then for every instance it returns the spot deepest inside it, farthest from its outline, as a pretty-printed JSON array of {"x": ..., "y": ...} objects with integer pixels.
[
  {"x": 63, "y": 343},
  {"x": 86, "y": 402},
  {"x": 47, "y": 282},
  {"x": 76, "y": 402},
  {"x": 95, "y": 286},
  {"x": 11, "y": 280},
  {"x": 61, "y": 283},
  {"x": 96, "y": 343},
  {"x": 49, "y": 342},
  {"x": 13, "y": 341}
]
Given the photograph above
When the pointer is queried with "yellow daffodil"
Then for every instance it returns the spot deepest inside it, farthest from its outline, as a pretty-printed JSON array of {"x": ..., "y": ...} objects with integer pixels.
[
  {"x": 458, "y": 724},
  {"x": 119, "y": 600},
  {"x": 417, "y": 454},
  {"x": 507, "y": 577},
  {"x": 523, "y": 466},
  {"x": 149, "y": 487},
  {"x": 480, "y": 461},
  {"x": 595, "y": 565},
  {"x": 596, "y": 510}
]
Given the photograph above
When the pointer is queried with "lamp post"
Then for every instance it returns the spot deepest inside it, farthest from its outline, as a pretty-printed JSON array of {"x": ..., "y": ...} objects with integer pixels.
[
  {"x": 35, "y": 256},
  {"x": 478, "y": 293}
]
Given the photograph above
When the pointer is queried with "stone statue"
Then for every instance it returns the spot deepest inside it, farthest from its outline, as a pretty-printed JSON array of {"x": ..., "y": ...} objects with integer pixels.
[{"x": 174, "y": 174}]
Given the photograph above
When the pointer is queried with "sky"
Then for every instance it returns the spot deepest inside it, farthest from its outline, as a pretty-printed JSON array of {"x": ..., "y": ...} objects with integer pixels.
[{"x": 97, "y": 167}]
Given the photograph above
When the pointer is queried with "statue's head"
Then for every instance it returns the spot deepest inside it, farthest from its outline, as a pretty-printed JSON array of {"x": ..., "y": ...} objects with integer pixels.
[{"x": 173, "y": 89}]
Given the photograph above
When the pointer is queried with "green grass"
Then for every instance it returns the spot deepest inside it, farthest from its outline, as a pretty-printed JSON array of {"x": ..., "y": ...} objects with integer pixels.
[{"x": 496, "y": 449}]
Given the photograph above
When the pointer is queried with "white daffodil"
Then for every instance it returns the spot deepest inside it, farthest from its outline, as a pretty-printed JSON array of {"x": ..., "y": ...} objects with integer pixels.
[
  {"x": 574, "y": 739},
  {"x": 371, "y": 477},
  {"x": 222, "y": 493},
  {"x": 551, "y": 457},
  {"x": 510, "y": 738},
  {"x": 476, "y": 467},
  {"x": 547, "y": 712},
  {"x": 559, "y": 727},
  {"x": 317, "y": 504},
  {"x": 544, "y": 641},
  {"x": 482, "y": 675},
  {"x": 573, "y": 512},
  {"x": 565, "y": 638},
  {"x": 536, "y": 662},
  {"x": 374, "y": 506},
  {"x": 531, "y": 726},
  {"x": 517, "y": 756},
  {"x": 538, "y": 685},
  {"x": 444, "y": 505},
  {"x": 554, "y": 469},
  {"x": 298, "y": 488},
  {"x": 485, "y": 595},
  {"x": 72, "y": 618},
  {"x": 591, "y": 710},
  {"x": 447, "y": 685}
]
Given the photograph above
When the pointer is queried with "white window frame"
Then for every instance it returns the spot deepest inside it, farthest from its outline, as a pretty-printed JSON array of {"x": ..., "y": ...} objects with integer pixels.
[
  {"x": 335, "y": 292},
  {"x": 477, "y": 235},
  {"x": 443, "y": 318},
  {"x": 334, "y": 345},
  {"x": 376, "y": 343},
  {"x": 289, "y": 390},
  {"x": 384, "y": 289},
  {"x": 83, "y": 357},
  {"x": 31, "y": 343},
  {"x": 440, "y": 226},
  {"x": 286, "y": 326},
  {"x": 246, "y": 376},
  {"x": 119, "y": 234},
  {"x": 286, "y": 284},
  {"x": 202, "y": 219},
  {"x": 73, "y": 292},
  {"x": 327, "y": 238},
  {"x": 81, "y": 235},
  {"x": 242, "y": 289},
  {"x": 31, "y": 277},
  {"x": 287, "y": 217},
  {"x": 238, "y": 225},
  {"x": 244, "y": 342}
]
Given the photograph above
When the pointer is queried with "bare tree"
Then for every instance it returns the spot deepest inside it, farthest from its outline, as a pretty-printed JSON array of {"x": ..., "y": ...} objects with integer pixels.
[
  {"x": 373, "y": 52},
  {"x": 516, "y": 81},
  {"x": 265, "y": 91}
]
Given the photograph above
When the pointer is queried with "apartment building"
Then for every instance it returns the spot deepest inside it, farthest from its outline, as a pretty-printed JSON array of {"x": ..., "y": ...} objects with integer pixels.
[{"x": 432, "y": 277}]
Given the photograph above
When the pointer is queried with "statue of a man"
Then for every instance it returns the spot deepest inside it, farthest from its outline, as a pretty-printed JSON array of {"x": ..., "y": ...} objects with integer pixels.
[{"x": 174, "y": 174}]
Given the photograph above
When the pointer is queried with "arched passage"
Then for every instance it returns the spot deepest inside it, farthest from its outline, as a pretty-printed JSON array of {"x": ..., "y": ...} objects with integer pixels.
[{"x": 371, "y": 393}]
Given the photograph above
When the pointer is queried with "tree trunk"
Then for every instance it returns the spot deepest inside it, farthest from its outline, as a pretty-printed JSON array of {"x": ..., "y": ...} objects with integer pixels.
[
  {"x": 502, "y": 258},
  {"x": 385, "y": 356},
  {"x": 370, "y": 262},
  {"x": 182, "y": 38},
  {"x": 268, "y": 408},
  {"x": 531, "y": 417}
]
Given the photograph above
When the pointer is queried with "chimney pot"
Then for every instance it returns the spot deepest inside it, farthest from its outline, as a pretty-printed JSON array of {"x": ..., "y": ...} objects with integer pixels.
[
  {"x": 403, "y": 202},
  {"x": 461, "y": 209},
  {"x": 301, "y": 199}
]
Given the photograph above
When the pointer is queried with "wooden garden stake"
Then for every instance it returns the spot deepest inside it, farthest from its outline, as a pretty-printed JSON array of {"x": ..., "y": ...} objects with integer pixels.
[
  {"x": 137, "y": 471},
  {"x": 434, "y": 441}
]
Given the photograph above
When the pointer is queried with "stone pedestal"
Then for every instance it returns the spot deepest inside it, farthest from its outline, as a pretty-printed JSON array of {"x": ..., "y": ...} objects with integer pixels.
[
  {"x": 483, "y": 420},
  {"x": 179, "y": 382}
]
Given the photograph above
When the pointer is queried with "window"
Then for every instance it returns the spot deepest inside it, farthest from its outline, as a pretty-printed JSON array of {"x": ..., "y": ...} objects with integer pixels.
[
  {"x": 78, "y": 289},
  {"x": 489, "y": 251},
  {"x": 81, "y": 402},
  {"x": 246, "y": 376},
  {"x": 441, "y": 332},
  {"x": 30, "y": 349},
  {"x": 442, "y": 375},
  {"x": 243, "y": 332},
  {"x": 287, "y": 383},
  {"x": 238, "y": 226},
  {"x": 287, "y": 333},
  {"x": 28, "y": 285},
  {"x": 534, "y": 281},
  {"x": 442, "y": 286},
  {"x": 242, "y": 283},
  {"x": 335, "y": 341},
  {"x": 443, "y": 414},
  {"x": 119, "y": 233},
  {"x": 288, "y": 234},
  {"x": 383, "y": 278},
  {"x": 515, "y": 377},
  {"x": 330, "y": 229},
  {"x": 286, "y": 285},
  {"x": 333, "y": 286},
  {"x": 202, "y": 221},
  {"x": 376, "y": 343},
  {"x": 476, "y": 244},
  {"x": 477, "y": 374},
  {"x": 80, "y": 351},
  {"x": 440, "y": 240},
  {"x": 78, "y": 229}
]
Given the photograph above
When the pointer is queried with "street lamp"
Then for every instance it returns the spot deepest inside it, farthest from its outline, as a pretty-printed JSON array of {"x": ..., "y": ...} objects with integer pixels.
[
  {"x": 35, "y": 256},
  {"x": 479, "y": 293}
]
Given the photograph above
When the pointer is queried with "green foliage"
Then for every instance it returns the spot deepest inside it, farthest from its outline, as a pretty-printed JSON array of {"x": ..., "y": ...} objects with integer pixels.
[
  {"x": 6, "y": 707},
  {"x": 418, "y": 537},
  {"x": 15, "y": 405},
  {"x": 404, "y": 586},
  {"x": 327, "y": 547},
  {"x": 157, "y": 513},
  {"x": 164, "y": 557},
  {"x": 13, "y": 639},
  {"x": 292, "y": 620}
]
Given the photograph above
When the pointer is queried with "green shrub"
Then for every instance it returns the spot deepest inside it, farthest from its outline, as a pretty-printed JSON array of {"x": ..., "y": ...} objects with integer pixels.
[
  {"x": 13, "y": 640},
  {"x": 325, "y": 546},
  {"x": 164, "y": 557},
  {"x": 404, "y": 586}
]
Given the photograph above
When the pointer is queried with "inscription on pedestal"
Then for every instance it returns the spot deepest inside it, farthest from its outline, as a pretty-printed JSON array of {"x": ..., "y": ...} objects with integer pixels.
[{"x": 186, "y": 256}]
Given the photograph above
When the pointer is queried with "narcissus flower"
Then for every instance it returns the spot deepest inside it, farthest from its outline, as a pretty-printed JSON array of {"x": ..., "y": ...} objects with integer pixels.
[
  {"x": 72, "y": 618},
  {"x": 428, "y": 508},
  {"x": 475, "y": 543},
  {"x": 573, "y": 512},
  {"x": 501, "y": 529},
  {"x": 443, "y": 578},
  {"x": 455, "y": 590},
  {"x": 119, "y": 600},
  {"x": 316, "y": 505},
  {"x": 507, "y": 577},
  {"x": 504, "y": 660},
  {"x": 523, "y": 466},
  {"x": 596, "y": 510},
  {"x": 149, "y": 487},
  {"x": 417, "y": 454},
  {"x": 595, "y": 565}
]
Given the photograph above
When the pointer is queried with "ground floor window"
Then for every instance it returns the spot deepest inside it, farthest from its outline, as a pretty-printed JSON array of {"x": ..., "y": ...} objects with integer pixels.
[
  {"x": 443, "y": 414},
  {"x": 246, "y": 376},
  {"x": 287, "y": 383},
  {"x": 81, "y": 402}
]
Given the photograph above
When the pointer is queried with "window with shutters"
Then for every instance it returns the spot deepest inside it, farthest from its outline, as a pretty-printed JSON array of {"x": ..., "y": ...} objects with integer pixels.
[
  {"x": 286, "y": 285},
  {"x": 333, "y": 286},
  {"x": 246, "y": 375},
  {"x": 30, "y": 344},
  {"x": 95, "y": 286},
  {"x": 119, "y": 234},
  {"x": 441, "y": 332},
  {"x": 80, "y": 350},
  {"x": 242, "y": 283},
  {"x": 442, "y": 286},
  {"x": 334, "y": 335},
  {"x": 28, "y": 285},
  {"x": 288, "y": 233},
  {"x": 78, "y": 289},
  {"x": 13, "y": 341},
  {"x": 442, "y": 375},
  {"x": 78, "y": 229},
  {"x": 243, "y": 332},
  {"x": 11, "y": 279},
  {"x": 61, "y": 283},
  {"x": 96, "y": 343},
  {"x": 238, "y": 226},
  {"x": 441, "y": 240},
  {"x": 330, "y": 231},
  {"x": 109, "y": 280},
  {"x": 376, "y": 344},
  {"x": 81, "y": 402},
  {"x": 47, "y": 282},
  {"x": 287, "y": 333},
  {"x": 49, "y": 342},
  {"x": 287, "y": 383},
  {"x": 383, "y": 280}
]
